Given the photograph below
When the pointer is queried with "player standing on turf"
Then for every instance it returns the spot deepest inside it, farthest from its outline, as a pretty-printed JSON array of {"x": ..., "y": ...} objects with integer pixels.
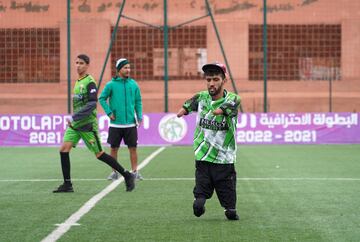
[
  {"x": 214, "y": 141},
  {"x": 83, "y": 125},
  {"x": 121, "y": 101}
]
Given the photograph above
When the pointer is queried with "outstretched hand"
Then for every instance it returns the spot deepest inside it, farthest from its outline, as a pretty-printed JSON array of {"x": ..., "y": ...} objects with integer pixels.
[
  {"x": 181, "y": 112},
  {"x": 218, "y": 111}
]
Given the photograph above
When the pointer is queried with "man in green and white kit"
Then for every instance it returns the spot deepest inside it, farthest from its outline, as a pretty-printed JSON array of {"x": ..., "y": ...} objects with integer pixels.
[
  {"x": 83, "y": 125},
  {"x": 214, "y": 141}
]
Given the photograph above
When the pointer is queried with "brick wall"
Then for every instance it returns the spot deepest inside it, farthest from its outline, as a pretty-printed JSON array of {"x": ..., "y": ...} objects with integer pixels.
[{"x": 91, "y": 32}]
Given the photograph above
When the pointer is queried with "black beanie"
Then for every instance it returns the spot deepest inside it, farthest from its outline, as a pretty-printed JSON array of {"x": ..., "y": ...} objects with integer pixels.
[{"x": 120, "y": 63}]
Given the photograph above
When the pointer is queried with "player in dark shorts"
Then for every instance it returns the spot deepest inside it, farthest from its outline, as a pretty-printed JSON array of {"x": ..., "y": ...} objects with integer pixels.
[
  {"x": 214, "y": 141},
  {"x": 121, "y": 101}
]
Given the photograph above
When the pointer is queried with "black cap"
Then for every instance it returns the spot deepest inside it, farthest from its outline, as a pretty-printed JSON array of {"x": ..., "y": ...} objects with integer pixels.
[{"x": 214, "y": 66}]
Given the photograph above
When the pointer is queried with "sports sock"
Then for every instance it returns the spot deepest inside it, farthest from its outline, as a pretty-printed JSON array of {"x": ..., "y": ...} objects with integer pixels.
[
  {"x": 65, "y": 166},
  {"x": 114, "y": 164}
]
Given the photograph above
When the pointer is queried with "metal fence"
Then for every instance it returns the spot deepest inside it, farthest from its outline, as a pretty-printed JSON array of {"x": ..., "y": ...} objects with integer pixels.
[{"x": 282, "y": 55}]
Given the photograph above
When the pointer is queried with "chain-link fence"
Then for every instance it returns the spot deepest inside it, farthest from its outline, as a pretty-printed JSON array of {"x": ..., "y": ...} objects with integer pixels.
[{"x": 311, "y": 51}]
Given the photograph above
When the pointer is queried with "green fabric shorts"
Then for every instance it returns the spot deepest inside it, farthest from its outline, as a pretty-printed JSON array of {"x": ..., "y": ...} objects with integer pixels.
[{"x": 90, "y": 138}]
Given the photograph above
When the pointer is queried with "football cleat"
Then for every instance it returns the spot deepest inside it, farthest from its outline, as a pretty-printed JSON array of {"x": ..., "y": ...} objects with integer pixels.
[
  {"x": 231, "y": 214},
  {"x": 65, "y": 187},
  {"x": 130, "y": 182}
]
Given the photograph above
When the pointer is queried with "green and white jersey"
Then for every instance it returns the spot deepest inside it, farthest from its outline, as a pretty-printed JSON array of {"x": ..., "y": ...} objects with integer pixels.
[
  {"x": 84, "y": 102},
  {"x": 214, "y": 137}
]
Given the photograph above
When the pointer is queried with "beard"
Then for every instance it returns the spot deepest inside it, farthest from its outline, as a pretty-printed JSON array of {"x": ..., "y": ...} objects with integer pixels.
[{"x": 213, "y": 91}]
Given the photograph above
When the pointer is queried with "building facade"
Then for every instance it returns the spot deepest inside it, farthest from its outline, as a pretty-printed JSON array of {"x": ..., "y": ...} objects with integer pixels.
[{"x": 312, "y": 51}]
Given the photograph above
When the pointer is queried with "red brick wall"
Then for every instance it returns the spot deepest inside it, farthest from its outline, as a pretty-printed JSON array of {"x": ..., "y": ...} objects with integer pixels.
[{"x": 90, "y": 34}]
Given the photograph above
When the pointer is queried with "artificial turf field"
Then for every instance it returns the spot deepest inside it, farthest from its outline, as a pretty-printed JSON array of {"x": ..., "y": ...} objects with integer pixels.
[{"x": 285, "y": 193}]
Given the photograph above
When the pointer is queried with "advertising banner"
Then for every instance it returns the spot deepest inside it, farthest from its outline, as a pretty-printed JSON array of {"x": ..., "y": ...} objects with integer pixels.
[{"x": 167, "y": 129}]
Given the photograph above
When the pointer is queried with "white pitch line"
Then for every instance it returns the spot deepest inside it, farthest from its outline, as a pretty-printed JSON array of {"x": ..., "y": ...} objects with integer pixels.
[
  {"x": 170, "y": 179},
  {"x": 75, "y": 224},
  {"x": 75, "y": 217},
  {"x": 52, "y": 180},
  {"x": 264, "y": 179},
  {"x": 191, "y": 179},
  {"x": 300, "y": 179}
]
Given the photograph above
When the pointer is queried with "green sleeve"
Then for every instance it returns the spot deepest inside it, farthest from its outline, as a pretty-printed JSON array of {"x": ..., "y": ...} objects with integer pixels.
[
  {"x": 105, "y": 94},
  {"x": 231, "y": 106},
  {"x": 138, "y": 104},
  {"x": 192, "y": 104}
]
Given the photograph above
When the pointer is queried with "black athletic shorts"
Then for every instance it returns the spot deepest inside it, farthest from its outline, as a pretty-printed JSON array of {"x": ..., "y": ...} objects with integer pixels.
[
  {"x": 116, "y": 135},
  {"x": 218, "y": 177}
]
